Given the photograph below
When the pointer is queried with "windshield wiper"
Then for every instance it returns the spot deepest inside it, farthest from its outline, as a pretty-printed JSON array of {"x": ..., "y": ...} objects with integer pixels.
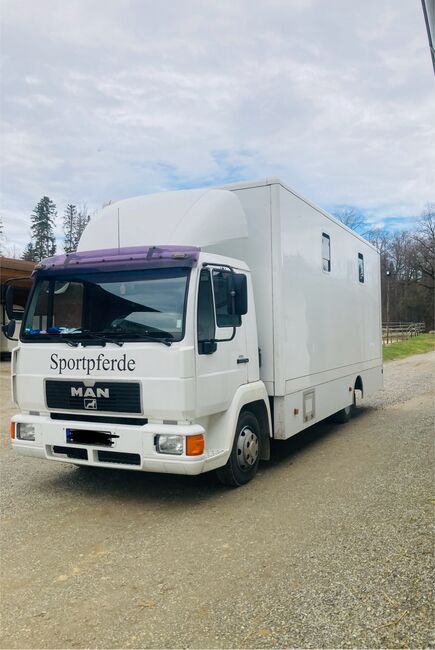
[
  {"x": 148, "y": 336},
  {"x": 101, "y": 338}
]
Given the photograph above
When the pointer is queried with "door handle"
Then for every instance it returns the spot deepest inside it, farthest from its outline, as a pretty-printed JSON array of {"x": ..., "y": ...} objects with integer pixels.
[{"x": 243, "y": 360}]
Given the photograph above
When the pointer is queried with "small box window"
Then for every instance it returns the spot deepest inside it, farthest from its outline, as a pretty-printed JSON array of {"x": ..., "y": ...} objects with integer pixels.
[
  {"x": 326, "y": 252},
  {"x": 361, "y": 267},
  {"x": 309, "y": 405}
]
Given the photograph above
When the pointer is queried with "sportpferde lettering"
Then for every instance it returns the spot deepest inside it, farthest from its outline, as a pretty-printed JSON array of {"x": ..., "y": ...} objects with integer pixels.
[{"x": 86, "y": 365}]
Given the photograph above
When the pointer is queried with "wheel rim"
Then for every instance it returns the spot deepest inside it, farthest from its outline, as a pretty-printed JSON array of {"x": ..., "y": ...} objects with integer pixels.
[{"x": 247, "y": 449}]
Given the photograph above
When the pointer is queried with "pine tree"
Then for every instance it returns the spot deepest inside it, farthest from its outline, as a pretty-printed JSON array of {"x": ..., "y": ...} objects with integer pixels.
[
  {"x": 83, "y": 219},
  {"x": 70, "y": 220},
  {"x": 43, "y": 242},
  {"x": 74, "y": 223},
  {"x": 29, "y": 253}
]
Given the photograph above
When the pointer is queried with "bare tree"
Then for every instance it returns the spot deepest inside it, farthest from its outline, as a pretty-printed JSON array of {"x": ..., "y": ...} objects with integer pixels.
[
  {"x": 380, "y": 239},
  {"x": 353, "y": 219},
  {"x": 407, "y": 271},
  {"x": 424, "y": 241}
]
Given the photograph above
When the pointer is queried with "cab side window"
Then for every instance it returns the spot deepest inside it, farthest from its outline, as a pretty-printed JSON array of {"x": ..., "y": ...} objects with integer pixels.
[{"x": 205, "y": 316}]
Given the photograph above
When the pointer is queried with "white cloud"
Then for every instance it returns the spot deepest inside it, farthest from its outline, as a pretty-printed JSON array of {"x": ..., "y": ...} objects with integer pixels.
[
  {"x": 32, "y": 81},
  {"x": 110, "y": 99}
]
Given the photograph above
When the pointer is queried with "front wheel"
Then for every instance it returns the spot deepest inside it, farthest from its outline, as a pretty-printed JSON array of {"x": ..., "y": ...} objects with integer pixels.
[{"x": 243, "y": 462}]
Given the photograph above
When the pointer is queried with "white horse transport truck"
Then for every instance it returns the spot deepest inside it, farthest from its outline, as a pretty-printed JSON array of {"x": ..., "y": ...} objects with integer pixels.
[{"x": 193, "y": 327}]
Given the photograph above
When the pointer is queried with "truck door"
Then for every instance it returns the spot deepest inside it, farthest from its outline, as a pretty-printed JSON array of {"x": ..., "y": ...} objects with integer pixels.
[{"x": 221, "y": 353}]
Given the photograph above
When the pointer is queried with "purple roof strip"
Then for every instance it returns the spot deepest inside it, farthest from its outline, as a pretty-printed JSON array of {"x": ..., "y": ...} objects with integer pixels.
[{"x": 131, "y": 257}]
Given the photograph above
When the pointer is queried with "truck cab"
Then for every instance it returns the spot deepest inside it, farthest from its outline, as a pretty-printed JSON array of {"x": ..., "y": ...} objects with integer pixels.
[{"x": 141, "y": 357}]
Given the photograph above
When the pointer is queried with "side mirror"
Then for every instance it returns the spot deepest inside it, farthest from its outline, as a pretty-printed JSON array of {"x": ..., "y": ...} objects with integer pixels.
[
  {"x": 240, "y": 287},
  {"x": 9, "y": 302},
  {"x": 12, "y": 313},
  {"x": 9, "y": 330},
  {"x": 207, "y": 347}
]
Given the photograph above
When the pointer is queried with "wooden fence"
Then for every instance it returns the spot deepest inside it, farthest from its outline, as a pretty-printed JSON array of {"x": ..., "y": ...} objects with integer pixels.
[{"x": 397, "y": 331}]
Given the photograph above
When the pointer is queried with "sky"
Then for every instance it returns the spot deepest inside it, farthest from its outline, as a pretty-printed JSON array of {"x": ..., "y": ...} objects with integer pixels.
[{"x": 103, "y": 100}]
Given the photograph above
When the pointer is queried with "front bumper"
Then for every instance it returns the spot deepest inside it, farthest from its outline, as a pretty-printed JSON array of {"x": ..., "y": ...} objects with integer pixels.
[{"x": 134, "y": 448}]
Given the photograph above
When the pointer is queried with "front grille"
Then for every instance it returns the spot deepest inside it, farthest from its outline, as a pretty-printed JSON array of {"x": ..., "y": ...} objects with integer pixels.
[
  {"x": 105, "y": 419},
  {"x": 112, "y": 396}
]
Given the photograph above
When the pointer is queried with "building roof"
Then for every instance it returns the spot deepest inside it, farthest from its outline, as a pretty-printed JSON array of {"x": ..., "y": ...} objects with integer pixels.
[{"x": 12, "y": 268}]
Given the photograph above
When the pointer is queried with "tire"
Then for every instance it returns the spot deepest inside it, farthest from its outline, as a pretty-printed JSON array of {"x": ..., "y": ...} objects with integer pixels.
[
  {"x": 343, "y": 416},
  {"x": 242, "y": 464}
]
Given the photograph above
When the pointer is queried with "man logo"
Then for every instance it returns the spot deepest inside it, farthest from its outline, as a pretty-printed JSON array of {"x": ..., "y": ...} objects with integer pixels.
[
  {"x": 80, "y": 391},
  {"x": 90, "y": 404}
]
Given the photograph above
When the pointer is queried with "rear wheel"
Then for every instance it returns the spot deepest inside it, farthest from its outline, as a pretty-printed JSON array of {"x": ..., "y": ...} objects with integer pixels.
[
  {"x": 243, "y": 462},
  {"x": 344, "y": 415}
]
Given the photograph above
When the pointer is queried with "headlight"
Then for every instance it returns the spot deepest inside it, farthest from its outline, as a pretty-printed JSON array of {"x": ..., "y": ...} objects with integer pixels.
[
  {"x": 170, "y": 444},
  {"x": 25, "y": 431}
]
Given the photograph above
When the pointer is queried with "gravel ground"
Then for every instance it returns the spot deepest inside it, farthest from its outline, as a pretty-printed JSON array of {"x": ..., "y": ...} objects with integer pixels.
[{"x": 329, "y": 547}]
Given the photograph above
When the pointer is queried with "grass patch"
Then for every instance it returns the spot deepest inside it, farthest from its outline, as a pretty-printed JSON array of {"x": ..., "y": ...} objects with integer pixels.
[{"x": 416, "y": 345}]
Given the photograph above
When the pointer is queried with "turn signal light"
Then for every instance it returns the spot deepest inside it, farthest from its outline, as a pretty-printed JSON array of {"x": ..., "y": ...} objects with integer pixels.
[
  {"x": 12, "y": 430},
  {"x": 195, "y": 445}
]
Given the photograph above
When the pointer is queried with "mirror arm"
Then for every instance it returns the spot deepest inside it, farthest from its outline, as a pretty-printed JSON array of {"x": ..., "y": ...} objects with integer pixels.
[
  {"x": 8, "y": 328},
  {"x": 230, "y": 339},
  {"x": 224, "y": 266},
  {"x": 233, "y": 295}
]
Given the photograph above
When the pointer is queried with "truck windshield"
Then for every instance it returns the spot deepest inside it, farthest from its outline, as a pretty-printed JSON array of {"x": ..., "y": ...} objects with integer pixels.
[{"x": 122, "y": 305}]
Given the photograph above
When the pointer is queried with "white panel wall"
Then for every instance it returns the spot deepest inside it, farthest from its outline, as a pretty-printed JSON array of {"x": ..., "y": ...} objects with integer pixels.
[
  {"x": 326, "y": 320},
  {"x": 313, "y": 326}
]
